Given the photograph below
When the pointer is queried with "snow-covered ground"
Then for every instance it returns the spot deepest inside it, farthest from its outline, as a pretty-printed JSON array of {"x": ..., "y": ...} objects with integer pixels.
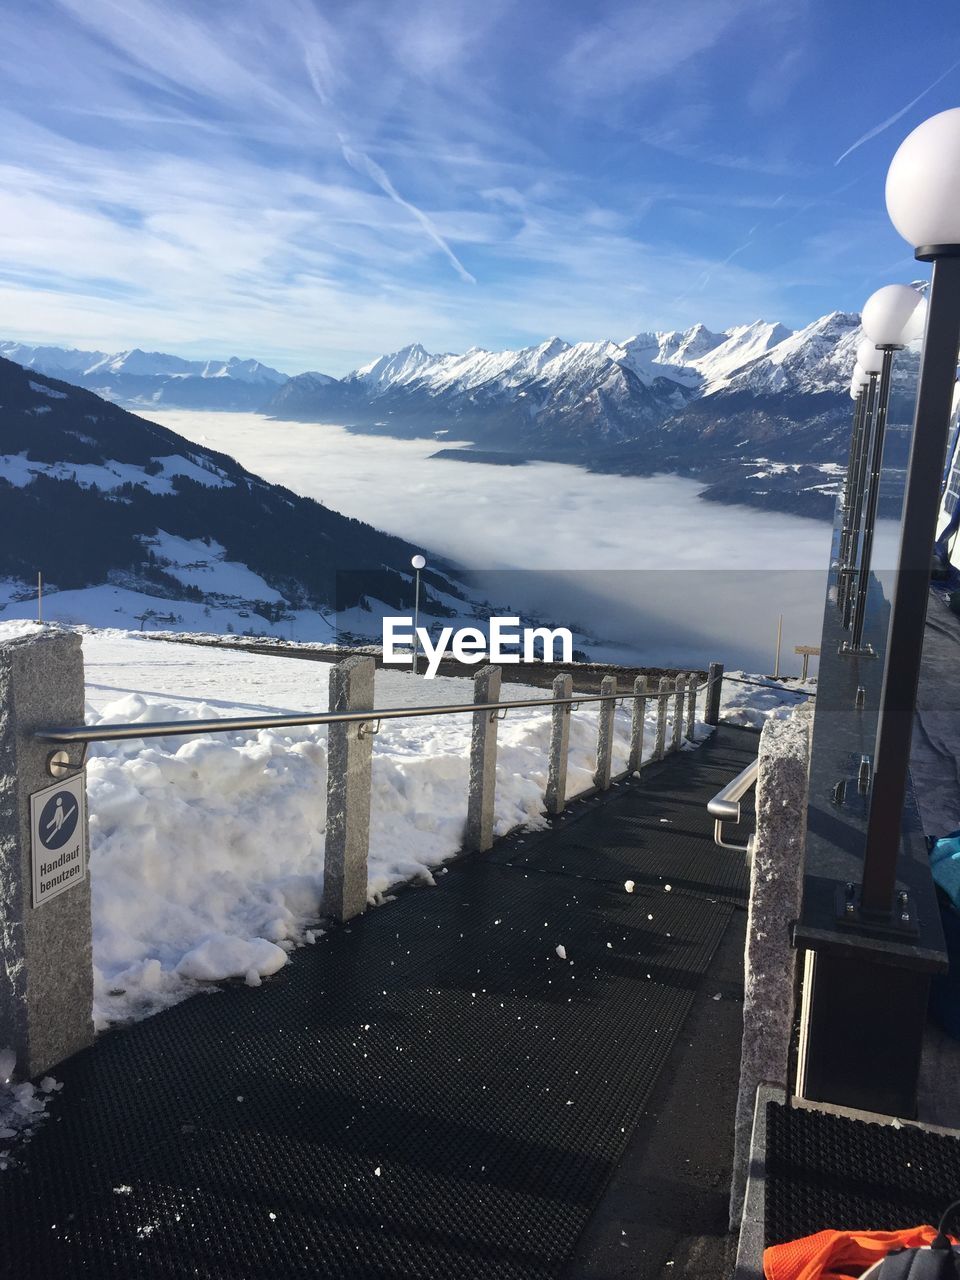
[
  {"x": 207, "y": 851},
  {"x": 750, "y": 700}
]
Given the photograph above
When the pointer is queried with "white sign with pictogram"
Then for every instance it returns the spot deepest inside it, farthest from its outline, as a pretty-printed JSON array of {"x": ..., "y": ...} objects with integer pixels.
[{"x": 58, "y": 838}]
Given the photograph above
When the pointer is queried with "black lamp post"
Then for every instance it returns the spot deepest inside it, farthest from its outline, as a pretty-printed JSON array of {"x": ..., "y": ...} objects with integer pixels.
[
  {"x": 923, "y": 200},
  {"x": 859, "y": 480},
  {"x": 889, "y": 322},
  {"x": 858, "y": 390}
]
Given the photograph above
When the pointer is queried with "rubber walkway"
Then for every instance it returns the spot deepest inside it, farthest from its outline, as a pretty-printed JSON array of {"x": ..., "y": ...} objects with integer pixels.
[{"x": 430, "y": 1091}]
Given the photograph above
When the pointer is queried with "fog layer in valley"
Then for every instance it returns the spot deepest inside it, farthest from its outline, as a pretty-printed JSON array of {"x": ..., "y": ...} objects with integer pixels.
[{"x": 640, "y": 562}]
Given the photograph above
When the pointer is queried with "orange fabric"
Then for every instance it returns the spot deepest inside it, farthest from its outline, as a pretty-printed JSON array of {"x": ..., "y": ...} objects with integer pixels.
[{"x": 838, "y": 1255}]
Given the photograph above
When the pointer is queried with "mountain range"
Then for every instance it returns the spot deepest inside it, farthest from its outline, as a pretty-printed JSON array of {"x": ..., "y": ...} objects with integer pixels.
[
  {"x": 759, "y": 412},
  {"x": 93, "y": 497}
]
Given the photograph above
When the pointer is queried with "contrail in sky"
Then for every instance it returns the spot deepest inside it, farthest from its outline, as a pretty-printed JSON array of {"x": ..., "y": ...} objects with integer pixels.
[
  {"x": 872, "y": 133},
  {"x": 363, "y": 164}
]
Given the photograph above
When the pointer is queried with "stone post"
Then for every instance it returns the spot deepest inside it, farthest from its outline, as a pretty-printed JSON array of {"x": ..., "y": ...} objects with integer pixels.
[
  {"x": 608, "y": 710},
  {"x": 660, "y": 744},
  {"x": 556, "y": 793},
  {"x": 677, "y": 738},
  {"x": 776, "y": 886},
  {"x": 349, "y": 767},
  {"x": 46, "y": 965},
  {"x": 711, "y": 712},
  {"x": 693, "y": 682},
  {"x": 637, "y": 723},
  {"x": 483, "y": 763}
]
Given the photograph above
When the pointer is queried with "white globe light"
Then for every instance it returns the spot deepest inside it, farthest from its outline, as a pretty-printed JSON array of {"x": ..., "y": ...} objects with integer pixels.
[
  {"x": 913, "y": 330},
  {"x": 923, "y": 182},
  {"x": 869, "y": 358},
  {"x": 887, "y": 312},
  {"x": 419, "y": 562}
]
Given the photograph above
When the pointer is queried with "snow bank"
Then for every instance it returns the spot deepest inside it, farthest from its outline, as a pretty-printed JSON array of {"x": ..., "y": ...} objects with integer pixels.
[
  {"x": 207, "y": 852},
  {"x": 751, "y": 700},
  {"x": 22, "y": 1107}
]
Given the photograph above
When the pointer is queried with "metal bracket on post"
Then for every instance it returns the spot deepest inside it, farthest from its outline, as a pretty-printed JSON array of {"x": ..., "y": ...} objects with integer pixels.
[
  {"x": 59, "y": 764},
  {"x": 901, "y": 922}
]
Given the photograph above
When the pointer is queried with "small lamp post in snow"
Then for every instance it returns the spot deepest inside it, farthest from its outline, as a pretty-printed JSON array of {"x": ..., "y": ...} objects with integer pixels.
[
  {"x": 418, "y": 563},
  {"x": 887, "y": 320},
  {"x": 923, "y": 201}
]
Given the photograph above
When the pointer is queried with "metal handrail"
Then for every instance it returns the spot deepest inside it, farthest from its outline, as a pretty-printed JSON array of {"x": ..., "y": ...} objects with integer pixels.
[
  {"x": 725, "y": 805},
  {"x": 178, "y": 728}
]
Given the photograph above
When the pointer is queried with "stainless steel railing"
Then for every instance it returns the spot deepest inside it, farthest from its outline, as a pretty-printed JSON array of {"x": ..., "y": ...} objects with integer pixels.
[
  {"x": 87, "y": 733},
  {"x": 725, "y": 806}
]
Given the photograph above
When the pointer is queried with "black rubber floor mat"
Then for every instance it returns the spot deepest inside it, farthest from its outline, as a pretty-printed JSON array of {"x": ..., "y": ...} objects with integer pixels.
[
  {"x": 825, "y": 1171},
  {"x": 627, "y": 841},
  {"x": 430, "y": 1091}
]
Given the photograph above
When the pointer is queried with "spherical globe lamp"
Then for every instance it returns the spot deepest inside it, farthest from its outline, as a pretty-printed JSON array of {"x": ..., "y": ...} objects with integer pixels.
[
  {"x": 914, "y": 329},
  {"x": 869, "y": 358},
  {"x": 887, "y": 312},
  {"x": 923, "y": 187},
  {"x": 419, "y": 562}
]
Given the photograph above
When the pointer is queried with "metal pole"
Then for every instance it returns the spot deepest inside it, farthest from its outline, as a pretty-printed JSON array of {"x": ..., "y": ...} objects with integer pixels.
[
  {"x": 776, "y": 665},
  {"x": 39, "y": 597},
  {"x": 873, "y": 497},
  {"x": 901, "y": 672},
  {"x": 416, "y": 621},
  {"x": 853, "y": 463},
  {"x": 853, "y": 537}
]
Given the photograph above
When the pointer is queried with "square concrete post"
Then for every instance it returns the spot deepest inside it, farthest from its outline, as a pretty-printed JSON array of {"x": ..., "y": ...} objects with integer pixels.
[
  {"x": 693, "y": 682},
  {"x": 349, "y": 767},
  {"x": 776, "y": 888},
  {"x": 46, "y": 964},
  {"x": 483, "y": 763},
  {"x": 608, "y": 710},
  {"x": 711, "y": 712},
  {"x": 636, "y": 723},
  {"x": 556, "y": 794},
  {"x": 676, "y": 740},
  {"x": 660, "y": 744}
]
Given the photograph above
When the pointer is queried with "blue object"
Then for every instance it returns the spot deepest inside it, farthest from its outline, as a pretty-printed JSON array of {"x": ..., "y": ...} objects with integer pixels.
[
  {"x": 945, "y": 988},
  {"x": 945, "y": 861}
]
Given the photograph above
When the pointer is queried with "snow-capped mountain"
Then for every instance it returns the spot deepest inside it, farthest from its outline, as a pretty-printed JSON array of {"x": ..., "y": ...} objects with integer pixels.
[
  {"x": 154, "y": 522},
  {"x": 580, "y": 399},
  {"x": 686, "y": 401},
  {"x": 138, "y": 377}
]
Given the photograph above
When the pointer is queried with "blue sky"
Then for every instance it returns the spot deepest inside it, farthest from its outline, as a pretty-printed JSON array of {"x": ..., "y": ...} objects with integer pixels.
[{"x": 316, "y": 182}]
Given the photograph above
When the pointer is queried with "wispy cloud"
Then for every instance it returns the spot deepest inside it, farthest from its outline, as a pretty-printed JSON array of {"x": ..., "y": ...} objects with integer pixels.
[
  {"x": 316, "y": 182},
  {"x": 897, "y": 115},
  {"x": 362, "y": 163}
]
